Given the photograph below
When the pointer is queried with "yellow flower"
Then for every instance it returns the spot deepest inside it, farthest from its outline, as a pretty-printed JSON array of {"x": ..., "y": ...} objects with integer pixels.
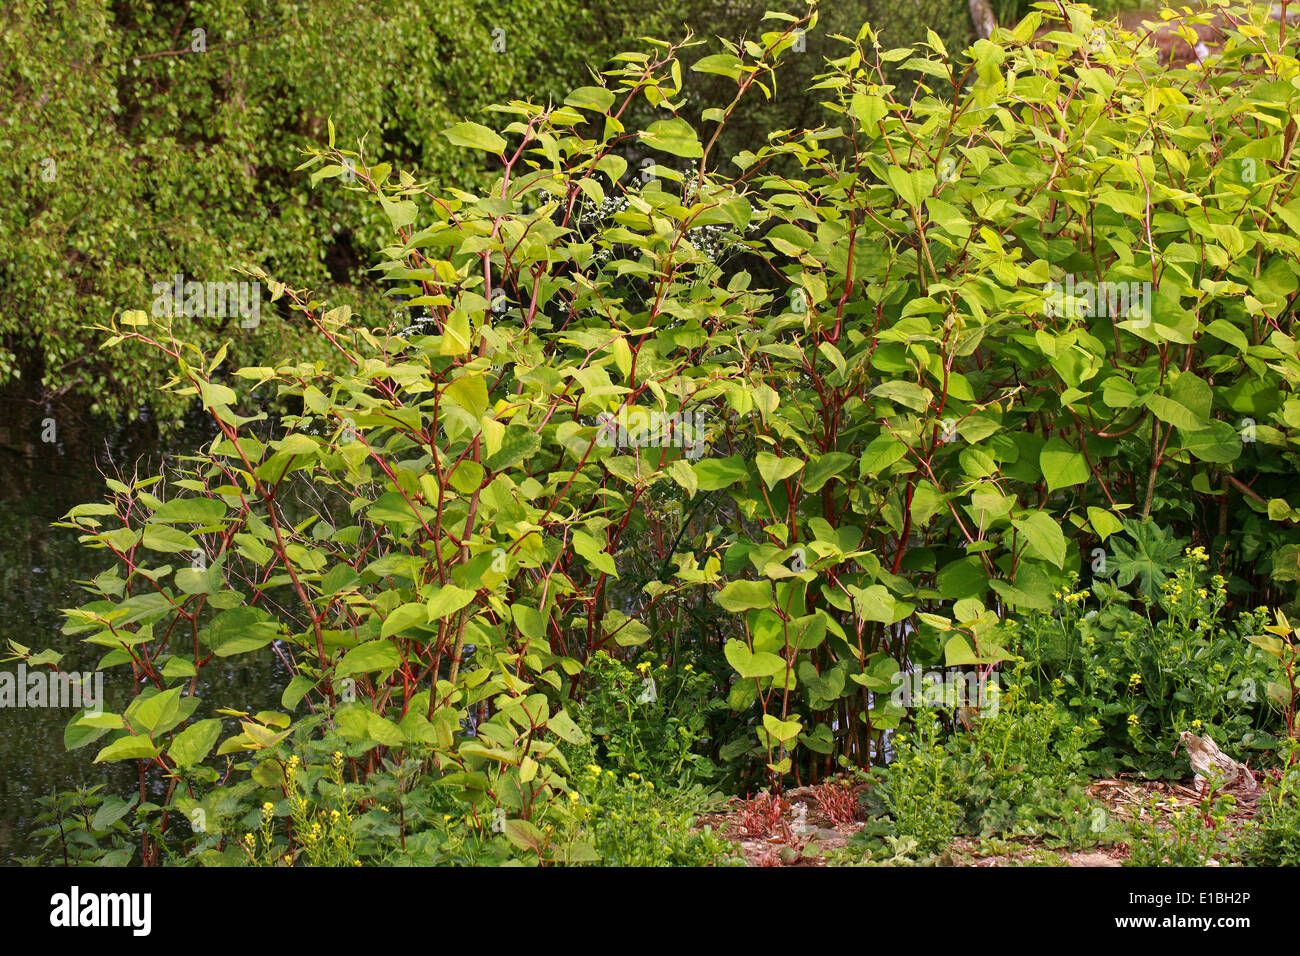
[
  {"x": 1135, "y": 680},
  {"x": 1196, "y": 725},
  {"x": 1132, "y": 720},
  {"x": 595, "y": 771},
  {"x": 643, "y": 666},
  {"x": 689, "y": 667},
  {"x": 573, "y": 796}
]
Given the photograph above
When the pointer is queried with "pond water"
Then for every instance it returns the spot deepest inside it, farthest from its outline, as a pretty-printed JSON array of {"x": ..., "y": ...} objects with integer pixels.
[{"x": 50, "y": 460}]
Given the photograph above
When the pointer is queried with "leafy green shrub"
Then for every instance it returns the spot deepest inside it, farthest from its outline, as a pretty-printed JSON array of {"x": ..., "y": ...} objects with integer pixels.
[
  {"x": 841, "y": 412},
  {"x": 83, "y": 827},
  {"x": 649, "y": 720},
  {"x": 1190, "y": 836},
  {"x": 1017, "y": 773},
  {"x": 627, "y": 821},
  {"x": 160, "y": 140},
  {"x": 1274, "y": 835},
  {"x": 921, "y": 783},
  {"x": 1024, "y": 768},
  {"x": 1176, "y": 661}
]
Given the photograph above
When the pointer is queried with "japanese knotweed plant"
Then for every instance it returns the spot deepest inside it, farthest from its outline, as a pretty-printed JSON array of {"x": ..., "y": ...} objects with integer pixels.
[{"x": 839, "y": 402}]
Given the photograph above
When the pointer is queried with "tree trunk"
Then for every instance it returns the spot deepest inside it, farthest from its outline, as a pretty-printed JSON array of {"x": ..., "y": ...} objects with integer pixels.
[{"x": 981, "y": 15}]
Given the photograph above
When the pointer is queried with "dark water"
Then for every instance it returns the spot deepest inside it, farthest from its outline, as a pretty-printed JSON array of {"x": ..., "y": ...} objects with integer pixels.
[{"x": 40, "y": 566}]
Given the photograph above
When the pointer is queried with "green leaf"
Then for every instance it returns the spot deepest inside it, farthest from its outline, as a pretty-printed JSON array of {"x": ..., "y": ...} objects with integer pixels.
[
  {"x": 1148, "y": 559},
  {"x": 712, "y": 474},
  {"x": 240, "y": 630},
  {"x": 673, "y": 136},
  {"x": 723, "y": 64},
  {"x": 782, "y": 730},
  {"x": 750, "y": 665},
  {"x": 518, "y": 444},
  {"x": 129, "y": 748},
  {"x": 403, "y": 617},
  {"x": 447, "y": 601},
  {"x": 1174, "y": 413},
  {"x": 774, "y": 469},
  {"x": 475, "y": 136},
  {"x": 564, "y": 727},
  {"x": 400, "y": 214},
  {"x": 963, "y": 578},
  {"x": 1103, "y": 522},
  {"x": 194, "y": 743},
  {"x": 743, "y": 595},
  {"x": 882, "y": 452},
  {"x": 868, "y": 111},
  {"x": 470, "y": 393},
  {"x": 1225, "y": 331},
  {"x": 151, "y": 713},
  {"x": 1062, "y": 465},
  {"x": 592, "y": 551},
  {"x": 594, "y": 98},
  {"x": 376, "y": 655},
  {"x": 875, "y": 604},
  {"x": 681, "y": 472},
  {"x": 907, "y": 394},
  {"x": 823, "y": 468},
  {"x": 203, "y": 511},
  {"x": 1044, "y": 535},
  {"x": 1219, "y": 443},
  {"x": 296, "y": 691},
  {"x": 167, "y": 540}
]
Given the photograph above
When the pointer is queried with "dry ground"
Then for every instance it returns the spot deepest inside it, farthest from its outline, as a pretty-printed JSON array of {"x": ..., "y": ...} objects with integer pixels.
[{"x": 802, "y": 834}]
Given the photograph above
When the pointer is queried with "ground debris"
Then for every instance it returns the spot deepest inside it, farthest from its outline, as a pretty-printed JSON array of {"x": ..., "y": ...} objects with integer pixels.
[{"x": 792, "y": 829}]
